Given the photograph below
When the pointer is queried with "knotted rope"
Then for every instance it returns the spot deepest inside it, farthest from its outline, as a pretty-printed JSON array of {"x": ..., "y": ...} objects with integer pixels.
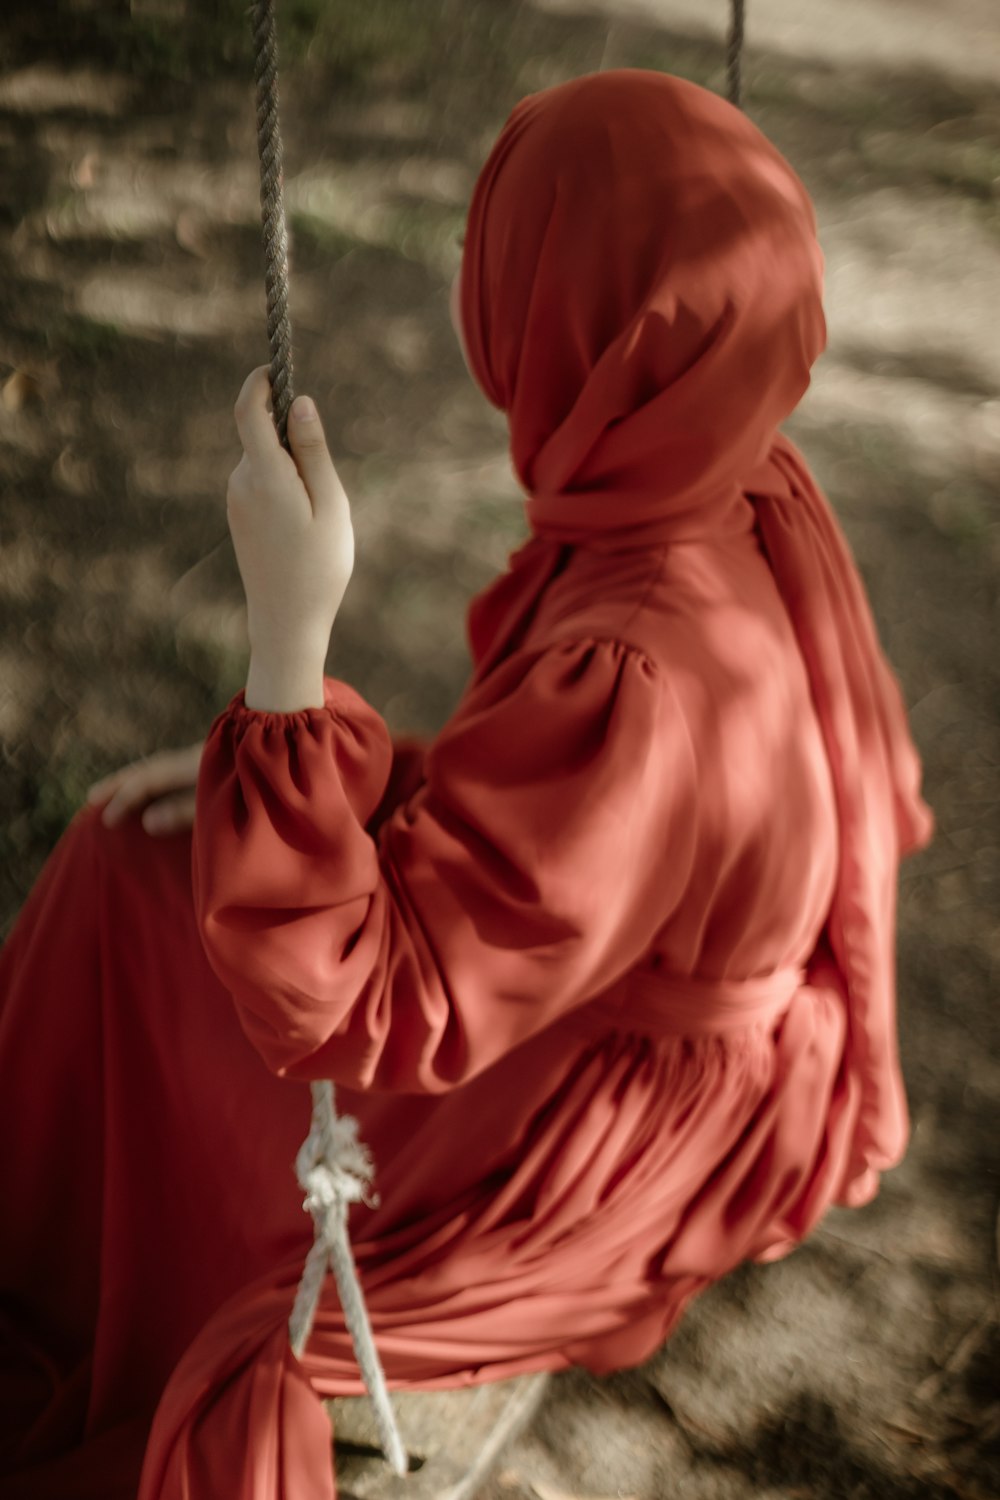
[
  {"x": 334, "y": 1169},
  {"x": 734, "y": 53}
]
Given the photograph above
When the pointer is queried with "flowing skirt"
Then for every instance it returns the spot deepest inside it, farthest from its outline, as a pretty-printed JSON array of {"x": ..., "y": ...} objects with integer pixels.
[{"x": 561, "y": 1208}]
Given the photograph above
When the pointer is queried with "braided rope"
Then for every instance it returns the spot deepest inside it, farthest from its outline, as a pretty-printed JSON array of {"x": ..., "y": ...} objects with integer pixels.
[
  {"x": 334, "y": 1169},
  {"x": 734, "y": 53},
  {"x": 272, "y": 210}
]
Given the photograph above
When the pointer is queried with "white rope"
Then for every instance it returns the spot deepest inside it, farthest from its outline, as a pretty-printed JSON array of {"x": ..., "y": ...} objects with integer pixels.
[{"x": 334, "y": 1170}]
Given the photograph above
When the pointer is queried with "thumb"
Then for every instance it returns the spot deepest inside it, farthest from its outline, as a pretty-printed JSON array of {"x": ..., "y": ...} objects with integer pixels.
[{"x": 312, "y": 457}]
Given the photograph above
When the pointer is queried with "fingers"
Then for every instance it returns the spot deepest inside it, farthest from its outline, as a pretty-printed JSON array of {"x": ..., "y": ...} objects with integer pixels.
[
  {"x": 312, "y": 456},
  {"x": 253, "y": 420},
  {"x": 122, "y": 792},
  {"x": 136, "y": 785},
  {"x": 170, "y": 814},
  {"x": 305, "y": 436}
]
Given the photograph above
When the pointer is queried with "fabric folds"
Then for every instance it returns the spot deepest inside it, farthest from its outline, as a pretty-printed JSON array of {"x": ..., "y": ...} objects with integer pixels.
[
  {"x": 418, "y": 964},
  {"x": 681, "y": 770}
]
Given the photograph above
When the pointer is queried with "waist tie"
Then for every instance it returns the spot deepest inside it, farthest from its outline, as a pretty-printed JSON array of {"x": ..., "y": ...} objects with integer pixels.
[{"x": 656, "y": 1003}]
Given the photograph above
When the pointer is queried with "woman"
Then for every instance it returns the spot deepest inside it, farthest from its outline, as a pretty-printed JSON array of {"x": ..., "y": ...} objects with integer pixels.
[{"x": 606, "y": 977}]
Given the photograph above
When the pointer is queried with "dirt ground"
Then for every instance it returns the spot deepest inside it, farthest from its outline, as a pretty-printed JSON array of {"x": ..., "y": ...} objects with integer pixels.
[{"x": 131, "y": 308}]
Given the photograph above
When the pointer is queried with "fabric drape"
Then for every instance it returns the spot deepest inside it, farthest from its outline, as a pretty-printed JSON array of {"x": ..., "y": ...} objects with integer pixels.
[{"x": 605, "y": 972}]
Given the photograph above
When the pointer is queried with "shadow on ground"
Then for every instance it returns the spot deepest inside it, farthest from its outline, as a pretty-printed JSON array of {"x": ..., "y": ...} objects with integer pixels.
[{"x": 130, "y": 311}]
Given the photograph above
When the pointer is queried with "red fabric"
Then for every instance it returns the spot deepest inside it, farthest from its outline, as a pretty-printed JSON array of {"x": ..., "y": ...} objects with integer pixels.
[{"x": 681, "y": 771}]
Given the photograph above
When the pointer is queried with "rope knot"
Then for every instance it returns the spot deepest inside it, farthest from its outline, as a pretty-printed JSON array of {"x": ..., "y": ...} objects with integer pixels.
[
  {"x": 335, "y": 1169},
  {"x": 332, "y": 1163}
]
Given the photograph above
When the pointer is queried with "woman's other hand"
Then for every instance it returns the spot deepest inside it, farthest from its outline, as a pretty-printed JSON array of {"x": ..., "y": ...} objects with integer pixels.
[
  {"x": 291, "y": 527},
  {"x": 162, "y": 785}
]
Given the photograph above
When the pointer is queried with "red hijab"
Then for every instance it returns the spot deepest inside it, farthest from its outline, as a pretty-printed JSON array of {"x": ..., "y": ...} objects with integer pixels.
[{"x": 641, "y": 294}]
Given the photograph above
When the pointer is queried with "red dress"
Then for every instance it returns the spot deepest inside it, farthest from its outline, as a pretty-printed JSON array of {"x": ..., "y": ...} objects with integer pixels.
[{"x": 606, "y": 977}]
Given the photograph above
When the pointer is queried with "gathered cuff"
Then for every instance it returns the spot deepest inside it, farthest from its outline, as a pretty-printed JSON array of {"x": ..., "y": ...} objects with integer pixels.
[{"x": 339, "y": 701}]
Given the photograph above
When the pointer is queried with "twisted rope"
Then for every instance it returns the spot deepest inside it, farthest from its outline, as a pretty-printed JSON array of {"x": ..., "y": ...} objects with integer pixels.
[
  {"x": 272, "y": 212},
  {"x": 734, "y": 53},
  {"x": 334, "y": 1169}
]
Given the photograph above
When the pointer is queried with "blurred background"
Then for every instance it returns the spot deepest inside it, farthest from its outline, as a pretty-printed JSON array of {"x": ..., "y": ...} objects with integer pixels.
[{"x": 132, "y": 307}]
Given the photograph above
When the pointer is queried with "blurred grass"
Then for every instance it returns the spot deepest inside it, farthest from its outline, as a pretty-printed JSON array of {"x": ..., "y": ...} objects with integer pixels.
[
  {"x": 359, "y": 37},
  {"x": 355, "y": 44},
  {"x": 315, "y": 232},
  {"x": 88, "y": 339},
  {"x": 175, "y": 40},
  {"x": 119, "y": 602}
]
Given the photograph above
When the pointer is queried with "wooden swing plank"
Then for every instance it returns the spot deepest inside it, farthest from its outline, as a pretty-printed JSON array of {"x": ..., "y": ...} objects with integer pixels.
[{"x": 455, "y": 1436}]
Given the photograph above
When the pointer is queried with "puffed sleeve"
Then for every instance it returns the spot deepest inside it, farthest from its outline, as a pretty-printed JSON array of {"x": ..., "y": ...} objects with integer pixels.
[{"x": 550, "y": 839}]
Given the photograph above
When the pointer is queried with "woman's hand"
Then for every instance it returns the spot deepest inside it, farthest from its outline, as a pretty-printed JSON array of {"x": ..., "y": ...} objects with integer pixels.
[
  {"x": 162, "y": 784},
  {"x": 291, "y": 527}
]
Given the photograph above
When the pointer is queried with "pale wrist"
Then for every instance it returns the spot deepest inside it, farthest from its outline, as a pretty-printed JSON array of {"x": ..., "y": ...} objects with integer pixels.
[{"x": 284, "y": 684}]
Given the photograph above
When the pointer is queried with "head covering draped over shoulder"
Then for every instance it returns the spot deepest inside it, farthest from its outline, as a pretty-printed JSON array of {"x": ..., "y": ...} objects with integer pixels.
[{"x": 641, "y": 294}]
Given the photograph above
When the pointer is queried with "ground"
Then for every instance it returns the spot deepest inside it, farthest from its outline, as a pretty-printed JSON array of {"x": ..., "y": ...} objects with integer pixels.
[{"x": 131, "y": 308}]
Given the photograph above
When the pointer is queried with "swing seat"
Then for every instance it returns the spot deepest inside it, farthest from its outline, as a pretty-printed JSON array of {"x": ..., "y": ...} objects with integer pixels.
[{"x": 454, "y": 1439}]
